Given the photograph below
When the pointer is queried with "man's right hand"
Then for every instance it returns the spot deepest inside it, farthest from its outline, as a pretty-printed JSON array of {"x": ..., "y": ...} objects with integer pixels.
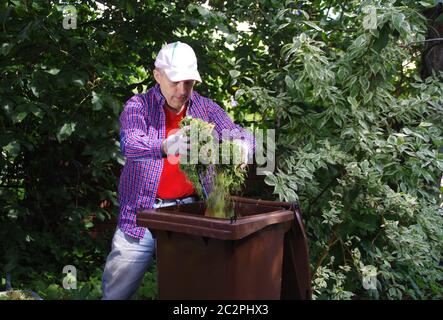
[{"x": 176, "y": 143}]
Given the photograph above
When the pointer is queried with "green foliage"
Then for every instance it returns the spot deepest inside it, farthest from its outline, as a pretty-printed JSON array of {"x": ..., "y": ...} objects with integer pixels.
[
  {"x": 225, "y": 159},
  {"x": 358, "y": 143},
  {"x": 61, "y": 93},
  {"x": 202, "y": 150}
]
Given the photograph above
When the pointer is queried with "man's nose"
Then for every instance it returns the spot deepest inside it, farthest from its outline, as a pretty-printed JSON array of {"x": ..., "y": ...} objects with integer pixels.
[{"x": 182, "y": 87}]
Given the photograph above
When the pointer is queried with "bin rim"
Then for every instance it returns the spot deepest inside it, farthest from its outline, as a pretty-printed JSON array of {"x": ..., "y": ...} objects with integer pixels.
[{"x": 217, "y": 228}]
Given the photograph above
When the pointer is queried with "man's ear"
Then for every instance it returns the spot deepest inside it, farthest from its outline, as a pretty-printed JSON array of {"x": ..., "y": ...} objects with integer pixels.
[{"x": 157, "y": 75}]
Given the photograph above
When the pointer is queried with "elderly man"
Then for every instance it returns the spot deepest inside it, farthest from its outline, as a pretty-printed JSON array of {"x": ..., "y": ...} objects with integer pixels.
[{"x": 150, "y": 139}]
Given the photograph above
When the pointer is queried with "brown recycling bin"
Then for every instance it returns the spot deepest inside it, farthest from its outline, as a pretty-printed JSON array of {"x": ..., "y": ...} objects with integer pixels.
[{"x": 261, "y": 255}]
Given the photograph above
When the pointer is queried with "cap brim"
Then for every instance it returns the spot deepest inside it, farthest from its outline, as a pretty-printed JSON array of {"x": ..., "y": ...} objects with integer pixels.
[{"x": 175, "y": 76}]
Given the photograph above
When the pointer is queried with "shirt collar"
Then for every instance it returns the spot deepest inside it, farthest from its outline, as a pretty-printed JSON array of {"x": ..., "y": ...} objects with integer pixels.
[{"x": 158, "y": 95}]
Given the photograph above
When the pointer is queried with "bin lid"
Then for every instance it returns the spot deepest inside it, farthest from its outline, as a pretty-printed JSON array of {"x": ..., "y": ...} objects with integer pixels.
[{"x": 187, "y": 218}]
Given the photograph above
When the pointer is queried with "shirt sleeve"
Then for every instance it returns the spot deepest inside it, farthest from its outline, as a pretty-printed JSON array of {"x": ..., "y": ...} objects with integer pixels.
[{"x": 134, "y": 142}]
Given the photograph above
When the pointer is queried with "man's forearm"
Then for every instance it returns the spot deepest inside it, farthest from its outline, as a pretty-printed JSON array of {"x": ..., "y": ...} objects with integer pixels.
[{"x": 136, "y": 146}]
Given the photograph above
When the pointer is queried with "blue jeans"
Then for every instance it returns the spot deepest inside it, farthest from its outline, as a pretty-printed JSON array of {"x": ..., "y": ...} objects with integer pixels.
[{"x": 127, "y": 263}]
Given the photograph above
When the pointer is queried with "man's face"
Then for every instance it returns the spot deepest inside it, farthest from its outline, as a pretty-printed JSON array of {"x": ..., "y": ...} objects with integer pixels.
[{"x": 176, "y": 93}]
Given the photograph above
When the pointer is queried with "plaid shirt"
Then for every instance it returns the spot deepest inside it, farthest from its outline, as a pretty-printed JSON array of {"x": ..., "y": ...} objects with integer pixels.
[{"x": 142, "y": 129}]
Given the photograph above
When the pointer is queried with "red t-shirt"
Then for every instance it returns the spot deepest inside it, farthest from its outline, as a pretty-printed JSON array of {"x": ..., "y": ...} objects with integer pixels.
[{"x": 173, "y": 182}]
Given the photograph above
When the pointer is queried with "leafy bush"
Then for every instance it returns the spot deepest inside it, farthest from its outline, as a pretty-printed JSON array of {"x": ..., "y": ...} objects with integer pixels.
[{"x": 358, "y": 143}]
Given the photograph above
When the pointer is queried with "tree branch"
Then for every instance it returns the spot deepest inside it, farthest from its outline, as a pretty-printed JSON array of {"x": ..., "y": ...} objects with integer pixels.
[
  {"x": 333, "y": 180},
  {"x": 332, "y": 241}
]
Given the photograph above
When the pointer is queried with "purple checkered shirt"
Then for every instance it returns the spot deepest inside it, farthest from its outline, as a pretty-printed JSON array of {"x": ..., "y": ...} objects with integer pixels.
[{"x": 142, "y": 129}]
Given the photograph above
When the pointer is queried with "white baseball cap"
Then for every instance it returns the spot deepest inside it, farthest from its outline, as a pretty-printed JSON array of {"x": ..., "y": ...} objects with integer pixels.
[{"x": 178, "y": 61}]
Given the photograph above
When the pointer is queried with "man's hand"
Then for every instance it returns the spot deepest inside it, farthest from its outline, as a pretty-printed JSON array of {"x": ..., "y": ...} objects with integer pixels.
[{"x": 176, "y": 143}]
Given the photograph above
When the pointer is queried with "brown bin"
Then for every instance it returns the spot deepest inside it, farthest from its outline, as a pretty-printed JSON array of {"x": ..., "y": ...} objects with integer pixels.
[{"x": 201, "y": 257}]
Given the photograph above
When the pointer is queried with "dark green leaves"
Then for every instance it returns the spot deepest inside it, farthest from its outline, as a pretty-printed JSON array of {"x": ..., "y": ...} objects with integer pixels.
[{"x": 383, "y": 37}]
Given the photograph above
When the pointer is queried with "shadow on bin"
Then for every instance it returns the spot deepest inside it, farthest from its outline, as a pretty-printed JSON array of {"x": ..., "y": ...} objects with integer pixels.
[{"x": 261, "y": 255}]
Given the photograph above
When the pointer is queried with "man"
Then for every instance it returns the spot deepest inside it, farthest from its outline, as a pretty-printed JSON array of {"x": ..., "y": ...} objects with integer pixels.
[{"x": 151, "y": 177}]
